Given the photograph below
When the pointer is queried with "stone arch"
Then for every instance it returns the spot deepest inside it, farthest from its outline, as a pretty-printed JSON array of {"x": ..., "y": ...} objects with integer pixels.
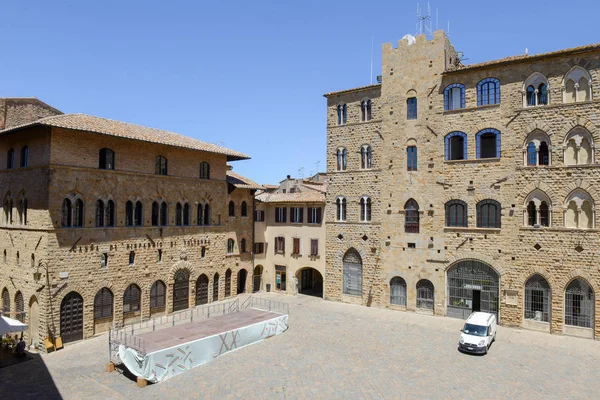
[
  {"x": 446, "y": 197},
  {"x": 579, "y": 184},
  {"x": 181, "y": 264},
  {"x": 341, "y": 253},
  {"x": 489, "y": 195},
  {"x": 541, "y": 186},
  {"x": 541, "y": 126},
  {"x": 571, "y": 80},
  {"x": 578, "y": 122},
  {"x": 522, "y": 279},
  {"x": 496, "y": 265},
  {"x": 562, "y": 284}
]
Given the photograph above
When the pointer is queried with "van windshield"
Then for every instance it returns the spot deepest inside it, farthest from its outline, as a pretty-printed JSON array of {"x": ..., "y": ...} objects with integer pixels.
[{"x": 475, "y": 330}]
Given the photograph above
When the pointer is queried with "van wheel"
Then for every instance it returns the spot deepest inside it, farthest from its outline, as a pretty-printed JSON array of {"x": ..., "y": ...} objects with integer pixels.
[{"x": 494, "y": 338}]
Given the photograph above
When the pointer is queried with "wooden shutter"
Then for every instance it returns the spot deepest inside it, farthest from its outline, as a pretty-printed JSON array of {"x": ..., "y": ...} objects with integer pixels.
[{"x": 296, "y": 246}]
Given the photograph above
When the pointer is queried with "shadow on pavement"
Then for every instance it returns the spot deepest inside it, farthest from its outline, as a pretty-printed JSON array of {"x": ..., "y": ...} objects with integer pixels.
[{"x": 28, "y": 379}]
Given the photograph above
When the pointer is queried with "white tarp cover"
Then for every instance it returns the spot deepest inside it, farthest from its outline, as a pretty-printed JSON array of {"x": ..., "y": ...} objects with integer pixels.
[
  {"x": 163, "y": 364},
  {"x": 8, "y": 325}
]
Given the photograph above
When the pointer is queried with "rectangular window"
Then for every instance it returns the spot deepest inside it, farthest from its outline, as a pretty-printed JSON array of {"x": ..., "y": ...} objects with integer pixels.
[
  {"x": 296, "y": 246},
  {"x": 455, "y": 98},
  {"x": 314, "y": 215},
  {"x": 131, "y": 257},
  {"x": 280, "y": 244},
  {"x": 280, "y": 214},
  {"x": 412, "y": 246},
  {"x": 104, "y": 260},
  {"x": 411, "y": 108},
  {"x": 411, "y": 158},
  {"x": 314, "y": 247},
  {"x": 159, "y": 257},
  {"x": 203, "y": 252},
  {"x": 259, "y": 248},
  {"x": 297, "y": 215},
  {"x": 259, "y": 215}
]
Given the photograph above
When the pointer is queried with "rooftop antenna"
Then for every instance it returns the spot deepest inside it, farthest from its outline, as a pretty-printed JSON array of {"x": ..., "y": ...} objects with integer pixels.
[
  {"x": 448, "y": 27},
  {"x": 318, "y": 162},
  {"x": 422, "y": 27},
  {"x": 371, "y": 60},
  {"x": 437, "y": 17},
  {"x": 301, "y": 172}
]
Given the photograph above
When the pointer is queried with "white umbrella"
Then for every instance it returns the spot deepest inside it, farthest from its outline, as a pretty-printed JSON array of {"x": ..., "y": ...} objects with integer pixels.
[{"x": 8, "y": 325}]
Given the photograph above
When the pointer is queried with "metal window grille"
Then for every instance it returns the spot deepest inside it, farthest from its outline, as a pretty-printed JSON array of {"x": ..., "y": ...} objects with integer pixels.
[
  {"x": 398, "y": 291},
  {"x": 228, "y": 283},
  {"x": 131, "y": 298},
  {"x": 425, "y": 294},
  {"x": 463, "y": 279},
  {"x": 456, "y": 213},
  {"x": 537, "y": 299},
  {"x": 411, "y": 211},
  {"x": 352, "y": 268},
  {"x": 216, "y": 287},
  {"x": 103, "y": 304},
  {"x": 488, "y": 214},
  {"x": 579, "y": 304}
]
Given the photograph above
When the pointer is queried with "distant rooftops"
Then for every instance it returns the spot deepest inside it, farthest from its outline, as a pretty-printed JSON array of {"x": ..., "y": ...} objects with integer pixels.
[
  {"x": 104, "y": 126},
  {"x": 241, "y": 182},
  {"x": 356, "y": 89},
  {"x": 297, "y": 197}
]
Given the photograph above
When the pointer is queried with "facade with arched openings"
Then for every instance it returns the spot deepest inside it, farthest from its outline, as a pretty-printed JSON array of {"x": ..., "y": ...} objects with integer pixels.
[{"x": 498, "y": 213}]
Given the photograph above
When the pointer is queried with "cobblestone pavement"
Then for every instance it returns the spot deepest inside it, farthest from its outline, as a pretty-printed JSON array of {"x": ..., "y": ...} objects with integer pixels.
[{"x": 337, "y": 351}]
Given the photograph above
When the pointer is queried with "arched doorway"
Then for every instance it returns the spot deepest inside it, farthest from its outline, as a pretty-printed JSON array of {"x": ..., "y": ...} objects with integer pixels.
[
  {"x": 227, "y": 283},
  {"x": 181, "y": 290},
  {"x": 34, "y": 321},
  {"x": 202, "y": 290},
  {"x": 257, "y": 278},
  {"x": 241, "y": 281},
  {"x": 71, "y": 317},
  {"x": 310, "y": 282},
  {"x": 472, "y": 286},
  {"x": 352, "y": 282}
]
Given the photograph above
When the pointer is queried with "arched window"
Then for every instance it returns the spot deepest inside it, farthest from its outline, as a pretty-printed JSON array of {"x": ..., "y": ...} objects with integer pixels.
[
  {"x": 186, "y": 214},
  {"x": 425, "y": 294},
  {"x": 110, "y": 213},
  {"x": 243, "y": 246},
  {"x": 103, "y": 304},
  {"x": 456, "y": 146},
  {"x": 411, "y": 108},
  {"x": 577, "y": 85},
  {"x": 366, "y": 157},
  {"x": 158, "y": 295},
  {"x": 454, "y": 96},
  {"x": 200, "y": 215},
  {"x": 5, "y": 301},
  {"x": 411, "y": 158},
  {"x": 365, "y": 107},
  {"x": 231, "y": 209},
  {"x": 129, "y": 213},
  {"x": 537, "y": 299},
  {"x": 398, "y": 291},
  {"x": 178, "y": 214},
  {"x": 535, "y": 90},
  {"x": 78, "y": 213},
  {"x": 164, "y": 214},
  {"x": 578, "y": 147},
  {"x": 456, "y": 213},
  {"x": 537, "y": 208},
  {"x": 488, "y": 143},
  {"x": 67, "y": 213},
  {"x": 100, "y": 213},
  {"x": 131, "y": 298},
  {"x": 365, "y": 209},
  {"x": 216, "y": 287},
  {"x": 340, "y": 214},
  {"x": 138, "y": 215},
  {"x": 24, "y": 156},
  {"x": 342, "y": 114},
  {"x": 352, "y": 267},
  {"x": 342, "y": 159},
  {"x": 22, "y": 209},
  {"x": 202, "y": 290},
  {"x": 228, "y": 283},
  {"x": 106, "y": 159},
  {"x": 411, "y": 216},
  {"x": 536, "y": 149},
  {"x": 489, "y": 214},
  {"x": 244, "y": 209},
  {"x": 230, "y": 245},
  {"x": 204, "y": 170},
  {"x": 579, "y": 304},
  {"x": 20, "y": 307},
  {"x": 579, "y": 210},
  {"x": 10, "y": 159},
  {"x": 488, "y": 92},
  {"x": 161, "y": 166}
]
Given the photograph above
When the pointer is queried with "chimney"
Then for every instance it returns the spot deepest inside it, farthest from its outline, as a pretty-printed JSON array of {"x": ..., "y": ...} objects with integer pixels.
[{"x": 289, "y": 176}]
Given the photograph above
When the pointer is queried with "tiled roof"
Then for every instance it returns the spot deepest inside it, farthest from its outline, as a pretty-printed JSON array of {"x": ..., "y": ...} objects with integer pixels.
[
  {"x": 241, "y": 182},
  {"x": 526, "y": 57},
  {"x": 104, "y": 126},
  {"x": 356, "y": 89},
  {"x": 320, "y": 187},
  {"x": 300, "y": 197}
]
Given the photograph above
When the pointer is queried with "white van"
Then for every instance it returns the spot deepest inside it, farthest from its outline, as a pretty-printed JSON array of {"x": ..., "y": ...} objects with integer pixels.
[{"x": 478, "y": 333}]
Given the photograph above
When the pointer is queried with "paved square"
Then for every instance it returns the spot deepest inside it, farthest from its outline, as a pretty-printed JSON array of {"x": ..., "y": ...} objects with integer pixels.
[{"x": 337, "y": 351}]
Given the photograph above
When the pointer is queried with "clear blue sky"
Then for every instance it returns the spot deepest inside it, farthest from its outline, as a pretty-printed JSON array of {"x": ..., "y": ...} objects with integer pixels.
[{"x": 249, "y": 75}]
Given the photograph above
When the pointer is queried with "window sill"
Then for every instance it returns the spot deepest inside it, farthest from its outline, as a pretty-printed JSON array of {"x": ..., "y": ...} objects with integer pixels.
[
  {"x": 471, "y": 229},
  {"x": 467, "y": 109},
  {"x": 558, "y": 105},
  {"x": 475, "y": 160},
  {"x": 559, "y": 229}
]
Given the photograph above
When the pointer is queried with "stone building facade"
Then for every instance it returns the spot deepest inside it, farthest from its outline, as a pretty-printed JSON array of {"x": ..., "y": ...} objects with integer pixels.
[
  {"x": 483, "y": 187},
  {"x": 105, "y": 222},
  {"x": 290, "y": 237}
]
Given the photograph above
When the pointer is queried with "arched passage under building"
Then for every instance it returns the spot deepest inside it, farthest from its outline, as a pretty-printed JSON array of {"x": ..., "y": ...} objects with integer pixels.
[
  {"x": 472, "y": 286},
  {"x": 310, "y": 282}
]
